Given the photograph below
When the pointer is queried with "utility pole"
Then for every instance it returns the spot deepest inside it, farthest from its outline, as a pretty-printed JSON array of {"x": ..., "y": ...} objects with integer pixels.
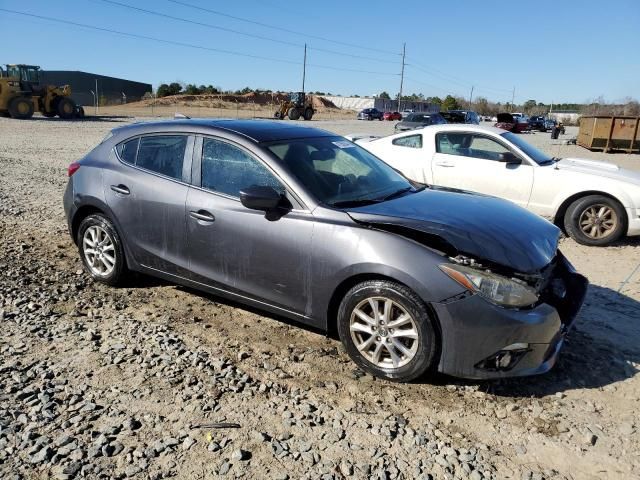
[
  {"x": 97, "y": 97},
  {"x": 471, "y": 97},
  {"x": 404, "y": 48},
  {"x": 304, "y": 66},
  {"x": 513, "y": 97}
]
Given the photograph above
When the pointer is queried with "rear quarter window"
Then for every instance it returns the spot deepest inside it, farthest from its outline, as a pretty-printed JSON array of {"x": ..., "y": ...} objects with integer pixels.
[
  {"x": 411, "y": 141},
  {"x": 127, "y": 150}
]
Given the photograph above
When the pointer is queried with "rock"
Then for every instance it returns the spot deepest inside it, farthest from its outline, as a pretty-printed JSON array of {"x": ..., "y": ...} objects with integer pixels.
[
  {"x": 42, "y": 455},
  {"x": 132, "y": 470},
  {"x": 626, "y": 428},
  {"x": 589, "y": 439},
  {"x": 187, "y": 443},
  {"x": 224, "y": 468},
  {"x": 240, "y": 454}
]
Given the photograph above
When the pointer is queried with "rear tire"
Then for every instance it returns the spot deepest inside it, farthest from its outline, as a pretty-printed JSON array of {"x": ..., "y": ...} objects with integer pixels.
[
  {"x": 66, "y": 108},
  {"x": 595, "y": 220},
  {"x": 79, "y": 112},
  {"x": 308, "y": 114},
  {"x": 294, "y": 113},
  {"x": 101, "y": 250},
  {"x": 399, "y": 342},
  {"x": 21, "y": 108}
]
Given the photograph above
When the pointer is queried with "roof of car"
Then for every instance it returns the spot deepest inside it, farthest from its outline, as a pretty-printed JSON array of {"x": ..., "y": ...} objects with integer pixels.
[
  {"x": 459, "y": 127},
  {"x": 256, "y": 130}
]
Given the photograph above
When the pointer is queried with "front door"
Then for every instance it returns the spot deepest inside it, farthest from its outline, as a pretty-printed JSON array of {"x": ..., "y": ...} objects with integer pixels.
[
  {"x": 246, "y": 252},
  {"x": 470, "y": 161}
]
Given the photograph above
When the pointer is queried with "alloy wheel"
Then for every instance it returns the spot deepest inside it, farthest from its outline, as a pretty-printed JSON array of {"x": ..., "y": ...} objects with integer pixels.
[
  {"x": 384, "y": 332},
  {"x": 598, "y": 221},
  {"x": 99, "y": 251}
]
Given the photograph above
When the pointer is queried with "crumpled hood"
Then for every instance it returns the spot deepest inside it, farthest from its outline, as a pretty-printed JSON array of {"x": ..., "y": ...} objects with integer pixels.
[
  {"x": 600, "y": 169},
  {"x": 485, "y": 228}
]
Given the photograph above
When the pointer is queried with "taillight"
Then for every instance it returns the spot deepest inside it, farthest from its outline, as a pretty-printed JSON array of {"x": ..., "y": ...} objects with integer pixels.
[{"x": 73, "y": 168}]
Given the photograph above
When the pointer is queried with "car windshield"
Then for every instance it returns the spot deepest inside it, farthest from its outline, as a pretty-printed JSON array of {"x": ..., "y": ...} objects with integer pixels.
[
  {"x": 536, "y": 155},
  {"x": 340, "y": 173}
]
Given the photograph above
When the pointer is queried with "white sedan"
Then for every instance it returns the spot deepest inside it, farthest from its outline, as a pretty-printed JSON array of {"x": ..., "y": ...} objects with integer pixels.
[{"x": 594, "y": 202}]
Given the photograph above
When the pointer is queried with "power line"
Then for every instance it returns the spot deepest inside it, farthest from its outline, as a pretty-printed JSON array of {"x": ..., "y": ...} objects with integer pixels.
[
  {"x": 188, "y": 45},
  {"x": 238, "y": 32},
  {"x": 282, "y": 29},
  {"x": 457, "y": 80}
]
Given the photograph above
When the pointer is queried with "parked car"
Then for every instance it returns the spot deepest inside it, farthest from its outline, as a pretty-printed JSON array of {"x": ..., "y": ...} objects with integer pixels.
[
  {"x": 521, "y": 123},
  {"x": 550, "y": 124},
  {"x": 407, "y": 111},
  {"x": 537, "y": 123},
  {"x": 392, "y": 116},
  {"x": 418, "y": 120},
  {"x": 370, "y": 114},
  {"x": 461, "y": 116},
  {"x": 505, "y": 121},
  {"x": 307, "y": 225},
  {"x": 594, "y": 202}
]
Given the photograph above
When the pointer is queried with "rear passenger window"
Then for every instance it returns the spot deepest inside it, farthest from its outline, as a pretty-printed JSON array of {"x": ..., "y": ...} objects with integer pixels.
[
  {"x": 127, "y": 151},
  {"x": 411, "y": 141},
  {"x": 228, "y": 169},
  {"x": 163, "y": 154}
]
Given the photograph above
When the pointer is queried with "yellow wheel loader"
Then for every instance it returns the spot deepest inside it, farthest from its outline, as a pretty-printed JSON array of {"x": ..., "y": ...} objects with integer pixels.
[
  {"x": 298, "y": 105},
  {"x": 21, "y": 95}
]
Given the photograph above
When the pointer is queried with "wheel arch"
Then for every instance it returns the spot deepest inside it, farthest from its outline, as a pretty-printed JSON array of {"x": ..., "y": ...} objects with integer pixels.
[
  {"x": 350, "y": 282},
  {"x": 558, "y": 218},
  {"x": 93, "y": 208}
]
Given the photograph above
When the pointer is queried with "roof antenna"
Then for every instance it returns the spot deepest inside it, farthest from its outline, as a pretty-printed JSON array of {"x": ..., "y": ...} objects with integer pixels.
[{"x": 180, "y": 115}]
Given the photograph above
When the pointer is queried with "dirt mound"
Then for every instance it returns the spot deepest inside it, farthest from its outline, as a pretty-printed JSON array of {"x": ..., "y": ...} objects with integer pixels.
[{"x": 275, "y": 98}]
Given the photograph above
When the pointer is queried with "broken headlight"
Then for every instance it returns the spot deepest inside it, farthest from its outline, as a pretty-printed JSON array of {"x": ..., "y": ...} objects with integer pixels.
[{"x": 495, "y": 288}]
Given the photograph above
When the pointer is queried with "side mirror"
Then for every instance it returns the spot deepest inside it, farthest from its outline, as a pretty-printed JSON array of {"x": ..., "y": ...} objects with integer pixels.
[
  {"x": 509, "y": 158},
  {"x": 260, "y": 198}
]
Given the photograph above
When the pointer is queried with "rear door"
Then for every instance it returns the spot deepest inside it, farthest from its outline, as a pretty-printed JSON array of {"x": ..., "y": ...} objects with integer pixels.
[
  {"x": 469, "y": 161},
  {"x": 146, "y": 190},
  {"x": 245, "y": 252}
]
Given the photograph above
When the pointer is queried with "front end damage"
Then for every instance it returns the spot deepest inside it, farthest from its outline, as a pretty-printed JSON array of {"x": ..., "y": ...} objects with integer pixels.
[{"x": 483, "y": 340}]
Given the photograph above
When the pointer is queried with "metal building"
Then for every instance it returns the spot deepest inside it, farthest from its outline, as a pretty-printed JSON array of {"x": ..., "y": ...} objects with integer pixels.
[{"x": 111, "y": 91}]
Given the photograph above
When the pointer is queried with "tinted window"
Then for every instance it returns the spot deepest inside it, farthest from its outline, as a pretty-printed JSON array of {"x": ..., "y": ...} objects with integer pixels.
[
  {"x": 162, "y": 154},
  {"x": 127, "y": 151},
  {"x": 412, "y": 141},
  {"x": 228, "y": 169}
]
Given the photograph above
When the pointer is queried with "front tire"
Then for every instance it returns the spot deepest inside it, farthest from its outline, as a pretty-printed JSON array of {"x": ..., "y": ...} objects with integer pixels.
[
  {"x": 66, "y": 108},
  {"x": 101, "y": 250},
  {"x": 294, "y": 113},
  {"x": 387, "y": 331},
  {"x": 595, "y": 220}
]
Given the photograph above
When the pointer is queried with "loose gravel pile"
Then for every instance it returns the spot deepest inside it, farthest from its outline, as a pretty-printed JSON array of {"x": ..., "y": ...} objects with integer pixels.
[{"x": 157, "y": 381}]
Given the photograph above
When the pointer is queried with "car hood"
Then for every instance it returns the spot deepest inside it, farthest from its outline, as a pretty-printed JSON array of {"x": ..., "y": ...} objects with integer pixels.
[
  {"x": 600, "y": 169},
  {"x": 487, "y": 228}
]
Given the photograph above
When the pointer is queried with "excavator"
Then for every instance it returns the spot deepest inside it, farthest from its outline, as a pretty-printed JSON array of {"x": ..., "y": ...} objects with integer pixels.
[
  {"x": 21, "y": 95},
  {"x": 297, "y": 105}
]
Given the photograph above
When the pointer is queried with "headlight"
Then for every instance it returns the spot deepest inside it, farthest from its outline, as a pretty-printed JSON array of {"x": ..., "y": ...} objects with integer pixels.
[{"x": 495, "y": 288}]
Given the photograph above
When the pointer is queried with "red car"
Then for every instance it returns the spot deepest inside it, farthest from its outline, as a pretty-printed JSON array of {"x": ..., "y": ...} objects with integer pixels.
[{"x": 392, "y": 116}]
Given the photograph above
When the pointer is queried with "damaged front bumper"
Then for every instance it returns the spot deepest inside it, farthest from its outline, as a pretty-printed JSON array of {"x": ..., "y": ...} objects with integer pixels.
[{"x": 482, "y": 340}]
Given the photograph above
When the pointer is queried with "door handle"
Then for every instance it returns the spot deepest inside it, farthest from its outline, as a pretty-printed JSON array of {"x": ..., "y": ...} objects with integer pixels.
[
  {"x": 122, "y": 189},
  {"x": 445, "y": 164},
  {"x": 202, "y": 215}
]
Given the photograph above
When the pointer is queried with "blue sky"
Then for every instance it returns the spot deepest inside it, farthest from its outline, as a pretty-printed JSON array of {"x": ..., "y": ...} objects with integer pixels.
[{"x": 570, "y": 51}]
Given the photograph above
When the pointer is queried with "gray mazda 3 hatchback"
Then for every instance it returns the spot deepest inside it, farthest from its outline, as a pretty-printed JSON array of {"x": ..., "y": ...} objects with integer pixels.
[{"x": 305, "y": 224}]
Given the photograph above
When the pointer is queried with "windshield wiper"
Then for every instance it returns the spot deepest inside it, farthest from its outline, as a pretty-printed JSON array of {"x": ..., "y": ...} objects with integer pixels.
[
  {"x": 358, "y": 202},
  {"x": 395, "y": 194},
  {"x": 551, "y": 161}
]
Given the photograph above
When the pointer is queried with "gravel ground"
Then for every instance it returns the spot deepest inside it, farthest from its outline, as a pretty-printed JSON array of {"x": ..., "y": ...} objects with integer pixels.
[{"x": 97, "y": 382}]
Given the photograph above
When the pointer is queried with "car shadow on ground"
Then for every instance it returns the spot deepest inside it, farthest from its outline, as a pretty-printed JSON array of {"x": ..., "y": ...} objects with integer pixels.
[
  {"x": 99, "y": 118},
  {"x": 603, "y": 348}
]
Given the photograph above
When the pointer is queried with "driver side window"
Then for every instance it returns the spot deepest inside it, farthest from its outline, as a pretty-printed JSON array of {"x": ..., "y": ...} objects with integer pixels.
[
  {"x": 470, "y": 145},
  {"x": 228, "y": 169}
]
